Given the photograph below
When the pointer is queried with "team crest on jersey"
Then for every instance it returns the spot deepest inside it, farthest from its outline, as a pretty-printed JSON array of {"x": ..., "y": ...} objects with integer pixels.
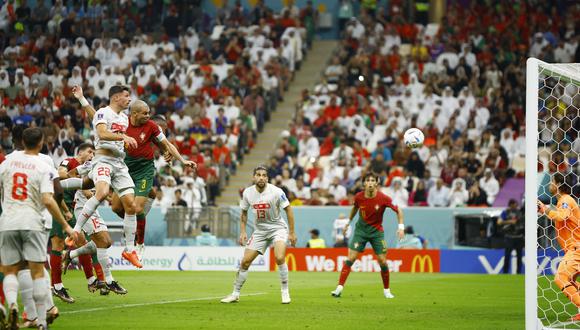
[
  {"x": 377, "y": 207},
  {"x": 142, "y": 136},
  {"x": 565, "y": 205}
]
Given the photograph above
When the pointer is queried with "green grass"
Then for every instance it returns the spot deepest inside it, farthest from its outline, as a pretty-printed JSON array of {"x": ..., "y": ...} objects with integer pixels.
[
  {"x": 553, "y": 306},
  {"x": 423, "y": 301}
]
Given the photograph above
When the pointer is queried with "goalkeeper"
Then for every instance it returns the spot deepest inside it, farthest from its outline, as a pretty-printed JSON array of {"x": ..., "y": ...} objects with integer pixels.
[{"x": 566, "y": 216}]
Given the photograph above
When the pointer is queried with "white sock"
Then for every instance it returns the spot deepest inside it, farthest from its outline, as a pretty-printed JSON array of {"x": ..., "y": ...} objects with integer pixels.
[
  {"x": 88, "y": 248},
  {"x": 49, "y": 301},
  {"x": 148, "y": 205},
  {"x": 26, "y": 293},
  {"x": 103, "y": 258},
  {"x": 91, "y": 279},
  {"x": 40, "y": 291},
  {"x": 71, "y": 184},
  {"x": 11, "y": 289},
  {"x": 129, "y": 227},
  {"x": 240, "y": 280},
  {"x": 58, "y": 286},
  {"x": 283, "y": 272},
  {"x": 87, "y": 211}
]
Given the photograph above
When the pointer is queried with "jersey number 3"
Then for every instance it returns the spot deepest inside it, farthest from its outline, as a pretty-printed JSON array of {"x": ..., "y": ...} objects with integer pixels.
[
  {"x": 19, "y": 190},
  {"x": 261, "y": 214}
]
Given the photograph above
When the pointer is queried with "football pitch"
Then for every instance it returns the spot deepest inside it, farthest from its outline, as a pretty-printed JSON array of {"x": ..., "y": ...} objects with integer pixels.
[{"x": 190, "y": 300}]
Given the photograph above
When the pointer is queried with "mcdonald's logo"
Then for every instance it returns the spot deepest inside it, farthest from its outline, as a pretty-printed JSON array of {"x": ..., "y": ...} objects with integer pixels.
[
  {"x": 423, "y": 263},
  {"x": 290, "y": 261}
]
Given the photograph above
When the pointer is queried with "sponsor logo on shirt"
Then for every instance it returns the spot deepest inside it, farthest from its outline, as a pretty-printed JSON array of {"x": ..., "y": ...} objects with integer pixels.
[{"x": 261, "y": 206}]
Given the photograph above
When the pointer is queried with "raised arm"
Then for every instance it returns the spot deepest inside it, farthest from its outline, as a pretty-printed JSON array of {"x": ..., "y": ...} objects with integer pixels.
[
  {"x": 77, "y": 91},
  {"x": 167, "y": 146}
]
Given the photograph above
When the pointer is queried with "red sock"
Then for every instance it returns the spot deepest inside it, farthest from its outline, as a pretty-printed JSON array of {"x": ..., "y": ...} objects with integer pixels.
[
  {"x": 99, "y": 272},
  {"x": 385, "y": 274},
  {"x": 87, "y": 264},
  {"x": 140, "y": 234},
  {"x": 344, "y": 272},
  {"x": 55, "y": 267}
]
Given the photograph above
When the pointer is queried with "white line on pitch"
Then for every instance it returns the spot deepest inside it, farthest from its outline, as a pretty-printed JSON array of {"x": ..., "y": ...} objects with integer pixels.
[{"x": 152, "y": 303}]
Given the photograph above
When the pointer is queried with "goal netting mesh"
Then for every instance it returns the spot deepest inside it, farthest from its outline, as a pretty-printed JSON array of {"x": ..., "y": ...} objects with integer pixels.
[{"x": 558, "y": 145}]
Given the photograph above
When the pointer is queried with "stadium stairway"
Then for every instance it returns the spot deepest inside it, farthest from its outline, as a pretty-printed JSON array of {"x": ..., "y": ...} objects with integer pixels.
[{"x": 306, "y": 78}]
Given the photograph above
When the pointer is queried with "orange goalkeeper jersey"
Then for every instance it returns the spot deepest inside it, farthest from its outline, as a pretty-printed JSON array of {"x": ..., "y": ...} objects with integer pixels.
[{"x": 566, "y": 219}]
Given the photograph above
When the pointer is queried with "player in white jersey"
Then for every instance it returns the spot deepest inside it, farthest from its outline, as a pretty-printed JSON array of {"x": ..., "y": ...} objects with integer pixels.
[
  {"x": 27, "y": 190},
  {"x": 25, "y": 282},
  {"x": 97, "y": 230},
  {"x": 109, "y": 170},
  {"x": 266, "y": 202}
]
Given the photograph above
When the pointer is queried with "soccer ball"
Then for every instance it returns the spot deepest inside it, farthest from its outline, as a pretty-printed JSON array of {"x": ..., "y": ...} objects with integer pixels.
[{"x": 414, "y": 138}]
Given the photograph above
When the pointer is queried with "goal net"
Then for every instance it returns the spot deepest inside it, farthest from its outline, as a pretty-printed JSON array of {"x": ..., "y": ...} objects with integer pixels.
[{"x": 552, "y": 146}]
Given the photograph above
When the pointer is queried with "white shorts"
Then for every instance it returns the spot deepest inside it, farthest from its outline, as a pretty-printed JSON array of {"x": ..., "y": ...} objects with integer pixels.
[
  {"x": 261, "y": 240},
  {"x": 114, "y": 172},
  {"x": 23, "y": 245},
  {"x": 94, "y": 225}
]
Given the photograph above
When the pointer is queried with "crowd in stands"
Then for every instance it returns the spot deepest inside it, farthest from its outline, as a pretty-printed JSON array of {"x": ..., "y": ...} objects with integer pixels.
[
  {"x": 216, "y": 80},
  {"x": 462, "y": 82}
]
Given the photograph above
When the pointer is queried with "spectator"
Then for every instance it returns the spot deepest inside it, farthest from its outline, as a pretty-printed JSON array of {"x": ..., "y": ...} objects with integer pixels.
[
  {"x": 338, "y": 234},
  {"x": 206, "y": 238},
  {"x": 419, "y": 196},
  {"x": 438, "y": 194},
  {"x": 459, "y": 195},
  {"x": 398, "y": 193},
  {"x": 512, "y": 225},
  {"x": 315, "y": 241},
  {"x": 336, "y": 189},
  {"x": 490, "y": 185},
  {"x": 178, "y": 200},
  {"x": 477, "y": 196}
]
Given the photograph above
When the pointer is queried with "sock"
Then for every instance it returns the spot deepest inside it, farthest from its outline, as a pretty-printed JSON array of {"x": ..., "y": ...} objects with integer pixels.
[
  {"x": 129, "y": 227},
  {"x": 26, "y": 293},
  {"x": 87, "y": 264},
  {"x": 344, "y": 272},
  {"x": 40, "y": 291},
  {"x": 71, "y": 184},
  {"x": 87, "y": 211},
  {"x": 98, "y": 268},
  {"x": 104, "y": 262},
  {"x": 385, "y": 276},
  {"x": 49, "y": 301},
  {"x": 88, "y": 248},
  {"x": 11, "y": 289},
  {"x": 55, "y": 267},
  {"x": 148, "y": 205},
  {"x": 140, "y": 234},
  {"x": 2, "y": 297},
  {"x": 240, "y": 280},
  {"x": 283, "y": 271}
]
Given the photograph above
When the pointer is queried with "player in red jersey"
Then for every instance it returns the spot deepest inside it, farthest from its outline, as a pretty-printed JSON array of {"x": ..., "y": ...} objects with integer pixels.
[
  {"x": 372, "y": 205},
  {"x": 139, "y": 160}
]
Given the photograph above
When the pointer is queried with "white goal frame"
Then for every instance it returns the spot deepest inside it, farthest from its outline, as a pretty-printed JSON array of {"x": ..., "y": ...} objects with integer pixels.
[{"x": 533, "y": 67}]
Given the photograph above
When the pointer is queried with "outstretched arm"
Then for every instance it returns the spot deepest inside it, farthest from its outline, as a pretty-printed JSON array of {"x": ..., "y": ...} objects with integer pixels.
[{"x": 167, "y": 146}]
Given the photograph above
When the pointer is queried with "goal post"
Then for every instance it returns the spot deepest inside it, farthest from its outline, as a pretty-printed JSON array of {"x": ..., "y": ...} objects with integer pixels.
[{"x": 552, "y": 103}]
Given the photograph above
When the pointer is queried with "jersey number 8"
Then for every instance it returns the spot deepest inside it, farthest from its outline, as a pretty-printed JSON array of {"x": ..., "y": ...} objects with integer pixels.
[{"x": 19, "y": 180}]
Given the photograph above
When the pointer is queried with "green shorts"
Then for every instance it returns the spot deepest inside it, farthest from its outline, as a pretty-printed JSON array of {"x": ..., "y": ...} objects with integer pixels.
[
  {"x": 142, "y": 172},
  {"x": 360, "y": 238},
  {"x": 57, "y": 228}
]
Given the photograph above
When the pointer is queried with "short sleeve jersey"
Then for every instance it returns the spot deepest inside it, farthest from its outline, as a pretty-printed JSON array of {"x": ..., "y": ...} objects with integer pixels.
[
  {"x": 116, "y": 123},
  {"x": 145, "y": 135},
  {"x": 24, "y": 178},
  {"x": 69, "y": 164},
  {"x": 266, "y": 206},
  {"x": 371, "y": 210}
]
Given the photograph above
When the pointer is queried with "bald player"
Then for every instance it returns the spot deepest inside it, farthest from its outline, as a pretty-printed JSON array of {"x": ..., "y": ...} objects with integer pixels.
[
  {"x": 139, "y": 160},
  {"x": 566, "y": 217}
]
